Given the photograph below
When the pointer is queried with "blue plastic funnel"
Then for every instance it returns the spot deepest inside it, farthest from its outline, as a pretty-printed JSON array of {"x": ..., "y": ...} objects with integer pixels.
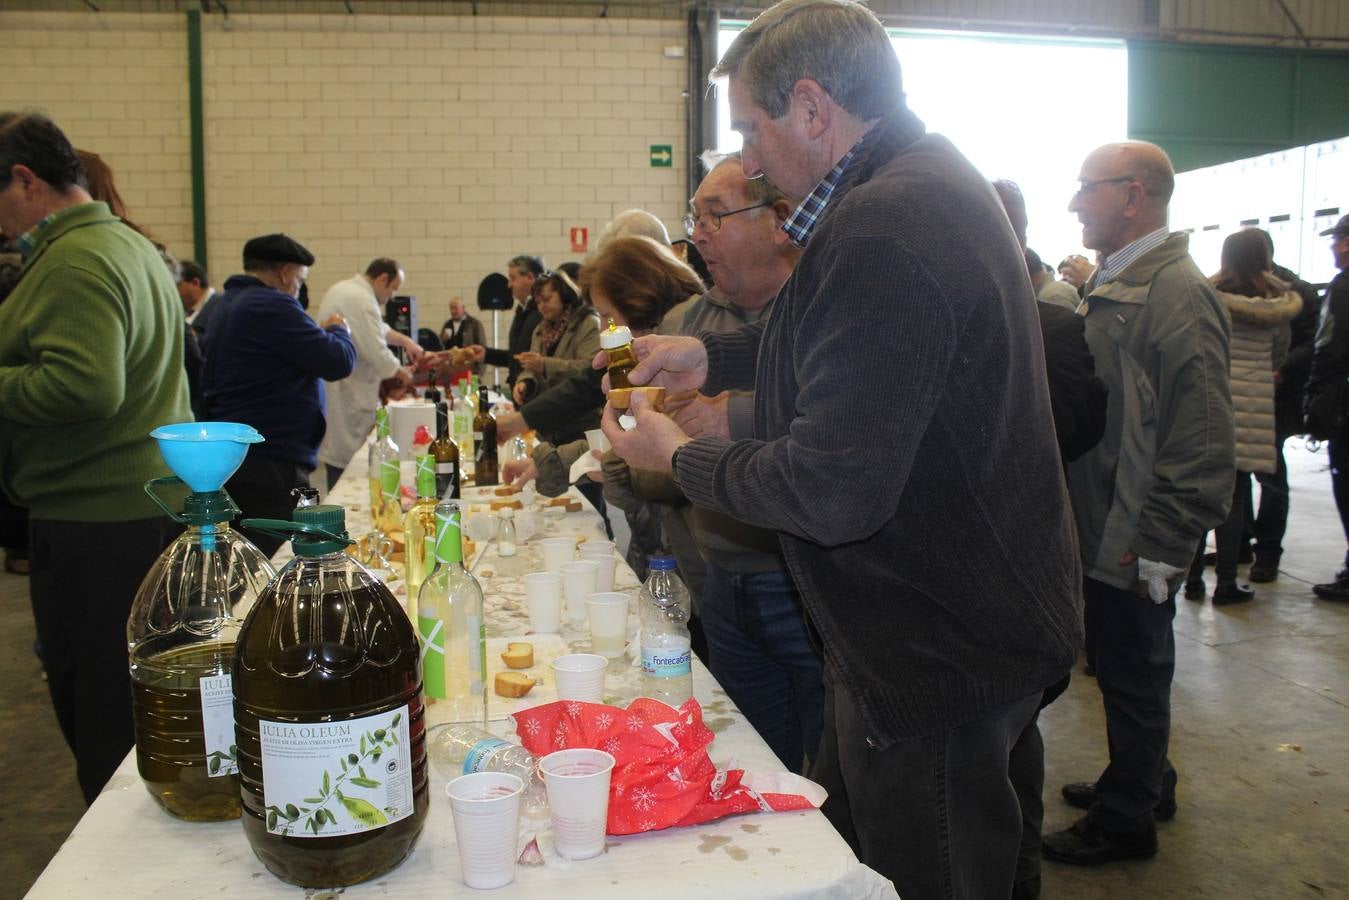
[{"x": 205, "y": 454}]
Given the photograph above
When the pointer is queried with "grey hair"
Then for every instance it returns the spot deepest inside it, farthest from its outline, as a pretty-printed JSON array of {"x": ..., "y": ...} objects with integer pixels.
[
  {"x": 632, "y": 223},
  {"x": 758, "y": 190},
  {"x": 838, "y": 43}
]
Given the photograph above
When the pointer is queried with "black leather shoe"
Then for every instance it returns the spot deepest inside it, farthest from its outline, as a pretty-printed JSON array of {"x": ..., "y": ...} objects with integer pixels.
[
  {"x": 1334, "y": 590},
  {"x": 1082, "y": 794},
  {"x": 1195, "y": 589},
  {"x": 1224, "y": 594},
  {"x": 1084, "y": 844},
  {"x": 1264, "y": 570}
]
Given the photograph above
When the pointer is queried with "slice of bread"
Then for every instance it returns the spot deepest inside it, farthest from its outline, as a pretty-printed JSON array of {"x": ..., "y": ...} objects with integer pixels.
[
  {"x": 512, "y": 684},
  {"x": 518, "y": 655},
  {"x": 621, "y": 398}
]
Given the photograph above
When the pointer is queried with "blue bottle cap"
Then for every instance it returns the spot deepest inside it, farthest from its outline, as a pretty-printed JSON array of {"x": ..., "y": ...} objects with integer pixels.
[{"x": 661, "y": 563}]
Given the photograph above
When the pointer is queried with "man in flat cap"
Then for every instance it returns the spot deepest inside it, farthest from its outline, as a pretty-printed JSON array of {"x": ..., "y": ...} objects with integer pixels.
[
  {"x": 265, "y": 361},
  {"x": 1327, "y": 395}
]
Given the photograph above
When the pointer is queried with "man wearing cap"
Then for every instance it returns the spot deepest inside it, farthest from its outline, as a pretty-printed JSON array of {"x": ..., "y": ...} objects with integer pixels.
[
  {"x": 352, "y": 401},
  {"x": 1327, "y": 396},
  {"x": 265, "y": 359}
]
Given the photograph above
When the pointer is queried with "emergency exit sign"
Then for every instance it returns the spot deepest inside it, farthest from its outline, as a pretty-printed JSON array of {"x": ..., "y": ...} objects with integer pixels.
[{"x": 662, "y": 156}]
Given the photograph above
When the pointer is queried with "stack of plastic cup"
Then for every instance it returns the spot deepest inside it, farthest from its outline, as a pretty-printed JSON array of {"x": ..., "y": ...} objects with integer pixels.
[
  {"x": 543, "y": 596},
  {"x": 486, "y": 807},
  {"x": 580, "y": 676},
  {"x": 557, "y": 552},
  {"x": 608, "y": 623},
  {"x": 578, "y": 583},
  {"x": 578, "y": 800},
  {"x": 602, "y": 554}
]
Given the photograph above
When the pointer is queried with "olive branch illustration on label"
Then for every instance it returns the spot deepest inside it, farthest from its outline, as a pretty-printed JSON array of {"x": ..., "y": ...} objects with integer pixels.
[
  {"x": 351, "y": 772},
  {"x": 229, "y": 759}
]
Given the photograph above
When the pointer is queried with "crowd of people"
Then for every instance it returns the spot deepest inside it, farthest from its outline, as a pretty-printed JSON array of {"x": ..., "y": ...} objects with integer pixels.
[{"x": 1043, "y": 456}]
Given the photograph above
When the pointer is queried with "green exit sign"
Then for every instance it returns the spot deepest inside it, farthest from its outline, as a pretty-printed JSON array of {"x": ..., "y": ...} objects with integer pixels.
[{"x": 662, "y": 156}]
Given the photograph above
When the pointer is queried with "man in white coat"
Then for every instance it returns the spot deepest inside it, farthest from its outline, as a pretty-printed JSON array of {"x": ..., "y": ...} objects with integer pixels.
[{"x": 352, "y": 401}]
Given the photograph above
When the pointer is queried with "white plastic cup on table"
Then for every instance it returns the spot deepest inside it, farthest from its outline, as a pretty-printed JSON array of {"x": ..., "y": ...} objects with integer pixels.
[
  {"x": 486, "y": 808},
  {"x": 543, "y": 597},
  {"x": 578, "y": 583},
  {"x": 577, "y": 782},
  {"x": 608, "y": 623},
  {"x": 580, "y": 676},
  {"x": 602, "y": 556},
  {"x": 557, "y": 552}
]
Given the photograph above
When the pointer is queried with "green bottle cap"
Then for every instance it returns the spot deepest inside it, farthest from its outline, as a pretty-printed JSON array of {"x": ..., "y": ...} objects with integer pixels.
[
  {"x": 426, "y": 476},
  {"x": 330, "y": 518},
  {"x": 449, "y": 545}
]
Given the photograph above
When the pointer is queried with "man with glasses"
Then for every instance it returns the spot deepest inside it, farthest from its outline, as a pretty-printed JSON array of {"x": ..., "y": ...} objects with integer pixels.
[
  {"x": 903, "y": 450},
  {"x": 1143, "y": 497},
  {"x": 521, "y": 274},
  {"x": 266, "y": 361}
]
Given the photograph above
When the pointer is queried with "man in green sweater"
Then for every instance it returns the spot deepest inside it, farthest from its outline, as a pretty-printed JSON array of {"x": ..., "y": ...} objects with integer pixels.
[{"x": 91, "y": 360}]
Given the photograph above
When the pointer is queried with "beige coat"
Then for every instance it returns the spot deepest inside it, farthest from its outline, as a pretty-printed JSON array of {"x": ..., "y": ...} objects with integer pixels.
[
  {"x": 574, "y": 352},
  {"x": 1258, "y": 323}
]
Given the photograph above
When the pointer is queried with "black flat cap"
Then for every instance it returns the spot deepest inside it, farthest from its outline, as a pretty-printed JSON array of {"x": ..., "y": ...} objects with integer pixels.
[
  {"x": 1340, "y": 230},
  {"x": 277, "y": 248}
]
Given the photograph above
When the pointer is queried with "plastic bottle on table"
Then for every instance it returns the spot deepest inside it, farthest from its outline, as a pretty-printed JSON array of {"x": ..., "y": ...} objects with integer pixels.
[
  {"x": 462, "y": 749},
  {"x": 664, "y": 604}
]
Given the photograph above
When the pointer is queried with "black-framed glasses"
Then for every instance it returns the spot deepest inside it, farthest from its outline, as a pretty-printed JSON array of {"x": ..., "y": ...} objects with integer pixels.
[
  {"x": 1086, "y": 187},
  {"x": 711, "y": 221}
]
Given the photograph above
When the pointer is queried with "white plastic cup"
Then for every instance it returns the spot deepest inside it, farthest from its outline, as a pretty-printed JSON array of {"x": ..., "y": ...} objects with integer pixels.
[
  {"x": 597, "y": 441},
  {"x": 557, "y": 552},
  {"x": 608, "y": 623},
  {"x": 607, "y": 563},
  {"x": 486, "y": 808},
  {"x": 578, "y": 583},
  {"x": 577, "y": 781},
  {"x": 601, "y": 548},
  {"x": 543, "y": 597},
  {"x": 580, "y": 676}
]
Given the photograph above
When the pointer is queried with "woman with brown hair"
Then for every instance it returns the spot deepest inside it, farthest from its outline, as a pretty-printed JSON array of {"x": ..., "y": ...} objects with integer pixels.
[
  {"x": 1261, "y": 307},
  {"x": 565, "y": 340},
  {"x": 640, "y": 283}
]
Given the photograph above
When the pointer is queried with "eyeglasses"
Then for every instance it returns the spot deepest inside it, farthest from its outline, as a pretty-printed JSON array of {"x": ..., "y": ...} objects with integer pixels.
[
  {"x": 711, "y": 221},
  {"x": 1088, "y": 186}
]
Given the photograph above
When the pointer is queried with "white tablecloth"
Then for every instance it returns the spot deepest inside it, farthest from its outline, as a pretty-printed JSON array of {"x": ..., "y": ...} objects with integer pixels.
[{"x": 127, "y": 846}]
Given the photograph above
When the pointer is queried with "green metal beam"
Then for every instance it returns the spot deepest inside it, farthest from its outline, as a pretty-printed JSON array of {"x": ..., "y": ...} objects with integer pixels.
[{"x": 198, "y": 127}]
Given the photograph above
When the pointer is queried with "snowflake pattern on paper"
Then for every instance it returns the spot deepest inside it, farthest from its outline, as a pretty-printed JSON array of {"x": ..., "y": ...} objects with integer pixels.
[
  {"x": 560, "y": 735},
  {"x": 533, "y": 727},
  {"x": 604, "y": 721},
  {"x": 635, "y": 723},
  {"x": 573, "y": 709},
  {"x": 643, "y": 799},
  {"x": 611, "y": 746}
]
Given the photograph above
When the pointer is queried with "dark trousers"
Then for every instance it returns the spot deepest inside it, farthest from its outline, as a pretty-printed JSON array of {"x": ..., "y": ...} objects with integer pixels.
[
  {"x": 1229, "y": 536},
  {"x": 85, "y": 576},
  {"x": 1339, "y": 480},
  {"x": 1135, "y": 652},
  {"x": 760, "y": 652},
  {"x": 1271, "y": 522},
  {"x": 937, "y": 815},
  {"x": 262, "y": 490}
]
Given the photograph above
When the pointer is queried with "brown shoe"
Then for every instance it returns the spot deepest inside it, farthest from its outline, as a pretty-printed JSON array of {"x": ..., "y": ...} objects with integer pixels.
[{"x": 16, "y": 564}]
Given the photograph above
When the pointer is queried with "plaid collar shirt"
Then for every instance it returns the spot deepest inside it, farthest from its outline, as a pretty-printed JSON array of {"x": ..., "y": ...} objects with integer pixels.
[{"x": 802, "y": 222}]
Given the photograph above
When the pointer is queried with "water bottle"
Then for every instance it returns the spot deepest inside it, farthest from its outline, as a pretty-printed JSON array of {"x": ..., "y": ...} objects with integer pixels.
[
  {"x": 664, "y": 604},
  {"x": 462, "y": 749}
]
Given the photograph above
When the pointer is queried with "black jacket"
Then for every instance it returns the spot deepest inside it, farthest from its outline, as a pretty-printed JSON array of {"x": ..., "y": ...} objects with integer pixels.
[
  {"x": 1076, "y": 396},
  {"x": 1298, "y": 364},
  {"x": 527, "y": 318}
]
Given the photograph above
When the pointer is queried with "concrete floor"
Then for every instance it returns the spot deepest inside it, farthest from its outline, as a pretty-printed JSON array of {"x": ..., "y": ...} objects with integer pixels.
[{"x": 1260, "y": 738}]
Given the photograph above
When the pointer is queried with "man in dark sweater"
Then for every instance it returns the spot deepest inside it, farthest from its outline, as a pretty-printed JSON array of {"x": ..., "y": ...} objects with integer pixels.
[
  {"x": 935, "y": 556},
  {"x": 521, "y": 273},
  {"x": 265, "y": 365},
  {"x": 1326, "y": 384}
]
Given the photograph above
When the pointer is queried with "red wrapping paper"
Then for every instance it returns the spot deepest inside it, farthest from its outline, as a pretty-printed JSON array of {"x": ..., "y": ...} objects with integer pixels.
[{"x": 663, "y": 775}]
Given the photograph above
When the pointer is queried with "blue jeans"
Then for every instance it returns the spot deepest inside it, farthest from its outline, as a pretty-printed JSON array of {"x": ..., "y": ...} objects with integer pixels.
[{"x": 762, "y": 656}]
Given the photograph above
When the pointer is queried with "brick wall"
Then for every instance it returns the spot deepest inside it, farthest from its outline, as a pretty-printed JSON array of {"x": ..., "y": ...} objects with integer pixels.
[
  {"x": 451, "y": 143},
  {"x": 117, "y": 86}
]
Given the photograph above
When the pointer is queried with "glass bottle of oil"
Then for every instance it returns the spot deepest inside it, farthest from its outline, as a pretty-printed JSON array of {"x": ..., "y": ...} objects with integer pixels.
[
  {"x": 616, "y": 340},
  {"x": 385, "y": 511},
  {"x": 453, "y": 632},
  {"x": 484, "y": 443},
  {"x": 329, "y": 715},
  {"x": 419, "y": 527},
  {"x": 183, "y": 625}
]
